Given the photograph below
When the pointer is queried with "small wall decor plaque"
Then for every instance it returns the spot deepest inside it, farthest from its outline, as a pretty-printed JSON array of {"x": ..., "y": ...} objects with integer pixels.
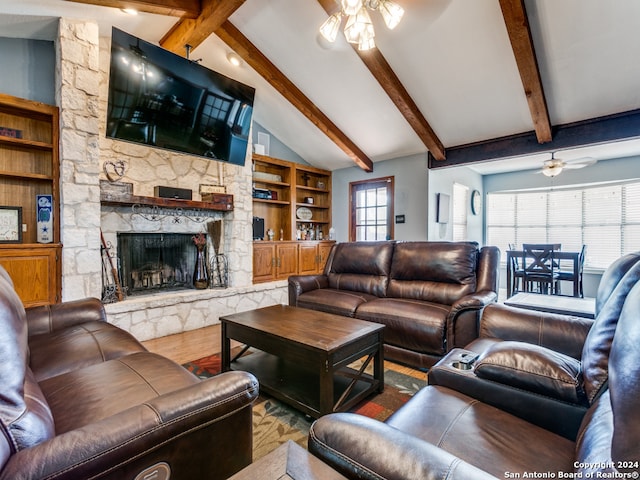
[
  {"x": 10, "y": 224},
  {"x": 44, "y": 222}
]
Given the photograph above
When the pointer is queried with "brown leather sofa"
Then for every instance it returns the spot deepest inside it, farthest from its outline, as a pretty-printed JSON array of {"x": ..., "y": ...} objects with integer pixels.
[
  {"x": 443, "y": 433},
  {"x": 81, "y": 398},
  {"x": 429, "y": 295}
]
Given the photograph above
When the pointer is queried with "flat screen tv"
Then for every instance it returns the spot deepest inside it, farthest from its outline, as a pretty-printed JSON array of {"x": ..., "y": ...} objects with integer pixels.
[{"x": 163, "y": 100}]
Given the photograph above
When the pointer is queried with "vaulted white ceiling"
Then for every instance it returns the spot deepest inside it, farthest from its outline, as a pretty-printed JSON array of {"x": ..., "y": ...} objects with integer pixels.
[{"x": 454, "y": 58}]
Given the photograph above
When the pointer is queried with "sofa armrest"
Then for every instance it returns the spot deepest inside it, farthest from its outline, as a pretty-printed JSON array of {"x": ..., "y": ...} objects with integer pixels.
[
  {"x": 299, "y": 284},
  {"x": 534, "y": 369},
  {"x": 210, "y": 420},
  {"x": 531, "y": 397},
  {"x": 561, "y": 333},
  {"x": 463, "y": 317},
  {"x": 48, "y": 318},
  {"x": 363, "y": 448}
]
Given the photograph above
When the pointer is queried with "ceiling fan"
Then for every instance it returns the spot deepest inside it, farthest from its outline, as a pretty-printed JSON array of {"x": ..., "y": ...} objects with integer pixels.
[{"x": 555, "y": 166}]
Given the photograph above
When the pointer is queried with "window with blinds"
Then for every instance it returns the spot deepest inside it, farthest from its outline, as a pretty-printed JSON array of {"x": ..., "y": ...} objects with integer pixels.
[
  {"x": 604, "y": 218},
  {"x": 459, "y": 212}
]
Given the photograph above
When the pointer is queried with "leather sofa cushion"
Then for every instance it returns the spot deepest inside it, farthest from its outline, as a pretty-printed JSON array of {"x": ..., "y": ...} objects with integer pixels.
[
  {"x": 410, "y": 324},
  {"x": 595, "y": 356},
  {"x": 439, "y": 272},
  {"x": 79, "y": 346},
  {"x": 482, "y": 435},
  {"x": 361, "y": 267},
  {"x": 90, "y": 394},
  {"x": 25, "y": 417},
  {"x": 338, "y": 302},
  {"x": 533, "y": 368}
]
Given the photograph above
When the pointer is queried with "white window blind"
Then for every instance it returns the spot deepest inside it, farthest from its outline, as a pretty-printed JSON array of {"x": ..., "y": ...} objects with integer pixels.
[
  {"x": 459, "y": 211},
  {"x": 604, "y": 218}
]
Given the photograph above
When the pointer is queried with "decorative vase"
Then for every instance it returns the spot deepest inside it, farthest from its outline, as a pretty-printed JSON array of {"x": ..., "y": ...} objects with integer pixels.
[{"x": 200, "y": 274}]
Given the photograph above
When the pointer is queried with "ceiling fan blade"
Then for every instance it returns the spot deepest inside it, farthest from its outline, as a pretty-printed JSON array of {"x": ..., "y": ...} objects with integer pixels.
[
  {"x": 584, "y": 161},
  {"x": 575, "y": 166}
]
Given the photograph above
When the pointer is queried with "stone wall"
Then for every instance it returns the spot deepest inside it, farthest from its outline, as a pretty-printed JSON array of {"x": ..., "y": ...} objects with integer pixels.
[{"x": 82, "y": 77}]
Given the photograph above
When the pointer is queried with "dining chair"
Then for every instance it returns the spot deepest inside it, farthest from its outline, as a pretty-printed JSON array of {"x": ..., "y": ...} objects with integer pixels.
[
  {"x": 539, "y": 267},
  {"x": 517, "y": 272},
  {"x": 575, "y": 276}
]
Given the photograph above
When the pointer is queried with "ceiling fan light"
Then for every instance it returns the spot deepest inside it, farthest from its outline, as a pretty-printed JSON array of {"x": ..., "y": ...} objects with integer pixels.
[
  {"x": 330, "y": 27},
  {"x": 551, "y": 170},
  {"x": 391, "y": 13},
  {"x": 367, "y": 41},
  {"x": 351, "y": 7},
  {"x": 357, "y": 25}
]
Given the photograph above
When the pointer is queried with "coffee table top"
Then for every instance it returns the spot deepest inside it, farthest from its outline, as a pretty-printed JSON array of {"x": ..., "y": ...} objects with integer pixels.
[{"x": 320, "y": 330}]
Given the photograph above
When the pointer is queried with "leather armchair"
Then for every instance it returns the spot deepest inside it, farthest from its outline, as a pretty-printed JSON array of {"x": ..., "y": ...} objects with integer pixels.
[
  {"x": 81, "y": 398},
  {"x": 443, "y": 433},
  {"x": 542, "y": 366}
]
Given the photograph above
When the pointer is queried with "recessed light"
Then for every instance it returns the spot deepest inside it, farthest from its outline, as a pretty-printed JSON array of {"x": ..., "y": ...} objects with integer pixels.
[
  {"x": 234, "y": 59},
  {"x": 130, "y": 11}
]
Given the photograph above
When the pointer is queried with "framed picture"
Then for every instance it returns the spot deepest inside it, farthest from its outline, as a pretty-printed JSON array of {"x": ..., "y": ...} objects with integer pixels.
[
  {"x": 442, "y": 209},
  {"x": 10, "y": 224}
]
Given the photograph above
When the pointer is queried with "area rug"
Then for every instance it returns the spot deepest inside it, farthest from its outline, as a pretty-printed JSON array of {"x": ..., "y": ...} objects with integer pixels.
[{"x": 274, "y": 422}]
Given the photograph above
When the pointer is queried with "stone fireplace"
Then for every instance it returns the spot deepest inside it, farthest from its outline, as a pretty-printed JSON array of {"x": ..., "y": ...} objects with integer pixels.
[{"x": 82, "y": 74}]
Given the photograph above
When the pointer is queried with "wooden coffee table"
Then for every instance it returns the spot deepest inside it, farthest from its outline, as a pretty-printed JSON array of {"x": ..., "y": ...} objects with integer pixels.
[{"x": 304, "y": 355}]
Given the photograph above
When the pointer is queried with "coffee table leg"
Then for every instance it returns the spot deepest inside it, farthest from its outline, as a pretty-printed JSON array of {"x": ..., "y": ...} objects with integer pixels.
[
  {"x": 326, "y": 389},
  {"x": 378, "y": 366},
  {"x": 226, "y": 349}
]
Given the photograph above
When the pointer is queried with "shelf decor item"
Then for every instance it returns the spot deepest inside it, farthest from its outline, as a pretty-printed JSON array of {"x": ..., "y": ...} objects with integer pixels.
[
  {"x": 219, "y": 277},
  {"x": 10, "y": 224},
  {"x": 44, "y": 219},
  {"x": 303, "y": 213},
  {"x": 200, "y": 274}
]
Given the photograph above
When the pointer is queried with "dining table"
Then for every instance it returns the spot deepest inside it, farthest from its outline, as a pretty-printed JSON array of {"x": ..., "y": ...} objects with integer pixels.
[{"x": 558, "y": 256}]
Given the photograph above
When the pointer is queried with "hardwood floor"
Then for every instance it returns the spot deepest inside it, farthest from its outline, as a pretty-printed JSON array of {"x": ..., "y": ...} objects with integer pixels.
[{"x": 187, "y": 346}]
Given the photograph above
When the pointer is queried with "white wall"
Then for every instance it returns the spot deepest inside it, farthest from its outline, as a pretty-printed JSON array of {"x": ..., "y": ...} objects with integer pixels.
[
  {"x": 411, "y": 195},
  {"x": 441, "y": 181}
]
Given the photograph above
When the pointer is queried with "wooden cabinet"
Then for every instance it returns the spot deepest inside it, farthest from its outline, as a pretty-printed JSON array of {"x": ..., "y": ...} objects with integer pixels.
[
  {"x": 35, "y": 272},
  {"x": 312, "y": 257},
  {"x": 279, "y": 260},
  {"x": 274, "y": 261},
  {"x": 29, "y": 166},
  {"x": 295, "y": 202}
]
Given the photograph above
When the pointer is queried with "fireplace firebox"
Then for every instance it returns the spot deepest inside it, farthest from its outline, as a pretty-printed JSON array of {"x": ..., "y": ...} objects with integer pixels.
[{"x": 152, "y": 262}]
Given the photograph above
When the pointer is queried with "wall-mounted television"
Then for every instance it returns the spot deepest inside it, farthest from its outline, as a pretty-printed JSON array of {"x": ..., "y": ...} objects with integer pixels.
[{"x": 161, "y": 99}]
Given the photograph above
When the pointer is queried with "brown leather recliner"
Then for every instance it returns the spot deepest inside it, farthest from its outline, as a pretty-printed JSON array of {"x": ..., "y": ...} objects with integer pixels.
[
  {"x": 429, "y": 295},
  {"x": 538, "y": 365},
  {"x": 442, "y": 433},
  {"x": 81, "y": 398}
]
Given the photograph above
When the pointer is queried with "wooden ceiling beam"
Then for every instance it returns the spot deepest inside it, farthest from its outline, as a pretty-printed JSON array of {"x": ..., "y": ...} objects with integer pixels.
[
  {"x": 229, "y": 34},
  {"x": 193, "y": 32},
  {"x": 517, "y": 23},
  {"x": 390, "y": 83},
  {"x": 173, "y": 8},
  {"x": 595, "y": 131}
]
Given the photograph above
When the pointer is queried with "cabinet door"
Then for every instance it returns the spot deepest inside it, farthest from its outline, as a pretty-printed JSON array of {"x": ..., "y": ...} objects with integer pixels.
[
  {"x": 323, "y": 254},
  {"x": 287, "y": 260},
  {"x": 264, "y": 262},
  {"x": 307, "y": 258},
  {"x": 34, "y": 272}
]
